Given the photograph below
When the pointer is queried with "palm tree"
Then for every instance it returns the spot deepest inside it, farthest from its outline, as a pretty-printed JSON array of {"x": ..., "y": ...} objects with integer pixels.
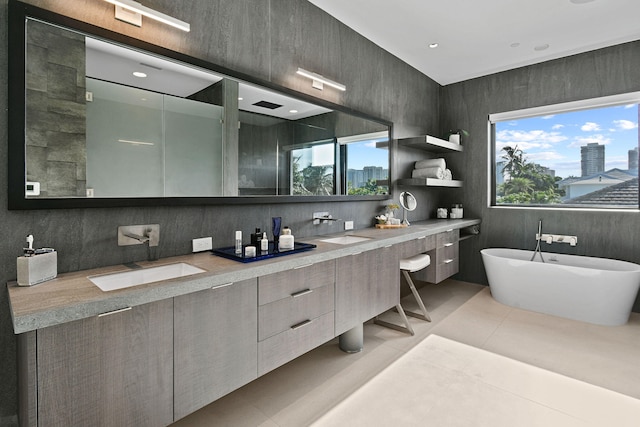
[
  {"x": 514, "y": 158},
  {"x": 518, "y": 185}
]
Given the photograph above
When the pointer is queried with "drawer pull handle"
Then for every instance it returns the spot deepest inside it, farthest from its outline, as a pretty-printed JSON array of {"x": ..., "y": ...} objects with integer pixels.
[
  {"x": 422, "y": 237},
  {"x": 109, "y": 313},
  {"x": 302, "y": 292},
  {"x": 222, "y": 286},
  {"x": 357, "y": 253},
  {"x": 302, "y": 266},
  {"x": 449, "y": 230},
  {"x": 388, "y": 246},
  {"x": 446, "y": 245},
  {"x": 301, "y": 324},
  {"x": 447, "y": 261}
]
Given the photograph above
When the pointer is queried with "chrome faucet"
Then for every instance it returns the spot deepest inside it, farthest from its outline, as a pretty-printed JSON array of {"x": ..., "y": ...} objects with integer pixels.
[{"x": 141, "y": 234}]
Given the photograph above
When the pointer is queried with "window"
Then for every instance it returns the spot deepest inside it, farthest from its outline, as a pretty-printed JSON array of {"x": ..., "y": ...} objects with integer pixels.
[
  {"x": 575, "y": 155},
  {"x": 354, "y": 165}
]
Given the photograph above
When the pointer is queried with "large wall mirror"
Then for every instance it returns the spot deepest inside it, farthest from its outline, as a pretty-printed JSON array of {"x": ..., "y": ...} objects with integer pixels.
[{"x": 112, "y": 121}]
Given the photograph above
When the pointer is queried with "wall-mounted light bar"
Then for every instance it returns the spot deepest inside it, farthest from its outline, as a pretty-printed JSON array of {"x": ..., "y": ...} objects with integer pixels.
[
  {"x": 137, "y": 8},
  {"x": 319, "y": 81},
  {"x": 129, "y": 141}
]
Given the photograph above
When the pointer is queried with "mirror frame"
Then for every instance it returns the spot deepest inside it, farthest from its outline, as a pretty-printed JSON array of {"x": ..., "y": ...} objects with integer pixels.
[{"x": 19, "y": 12}]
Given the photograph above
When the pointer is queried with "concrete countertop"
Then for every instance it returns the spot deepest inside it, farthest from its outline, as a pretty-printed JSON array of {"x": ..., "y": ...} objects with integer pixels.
[{"x": 71, "y": 296}]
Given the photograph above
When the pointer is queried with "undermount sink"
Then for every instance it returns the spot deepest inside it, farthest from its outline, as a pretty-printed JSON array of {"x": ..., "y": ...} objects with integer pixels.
[
  {"x": 346, "y": 240},
  {"x": 129, "y": 278}
]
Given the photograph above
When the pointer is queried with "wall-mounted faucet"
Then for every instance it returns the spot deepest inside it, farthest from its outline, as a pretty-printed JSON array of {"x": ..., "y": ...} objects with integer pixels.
[
  {"x": 323, "y": 217},
  {"x": 139, "y": 234},
  {"x": 559, "y": 238}
]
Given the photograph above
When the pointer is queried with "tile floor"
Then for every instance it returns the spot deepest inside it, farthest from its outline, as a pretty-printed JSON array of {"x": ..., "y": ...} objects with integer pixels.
[{"x": 310, "y": 387}]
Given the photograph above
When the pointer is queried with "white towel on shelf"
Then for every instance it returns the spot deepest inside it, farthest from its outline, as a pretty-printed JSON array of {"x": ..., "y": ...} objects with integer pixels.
[
  {"x": 431, "y": 163},
  {"x": 447, "y": 174},
  {"x": 434, "y": 172}
]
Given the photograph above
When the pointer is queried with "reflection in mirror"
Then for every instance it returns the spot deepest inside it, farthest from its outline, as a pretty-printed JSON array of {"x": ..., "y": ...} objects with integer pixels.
[{"x": 108, "y": 121}]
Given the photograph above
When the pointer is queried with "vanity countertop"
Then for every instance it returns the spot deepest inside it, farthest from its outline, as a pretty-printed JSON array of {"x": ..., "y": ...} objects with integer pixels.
[{"x": 72, "y": 296}]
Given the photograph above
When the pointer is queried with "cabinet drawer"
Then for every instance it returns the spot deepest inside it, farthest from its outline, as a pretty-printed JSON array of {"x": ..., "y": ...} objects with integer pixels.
[
  {"x": 448, "y": 268},
  {"x": 287, "y": 345},
  {"x": 417, "y": 246},
  {"x": 280, "y": 315},
  {"x": 448, "y": 251},
  {"x": 449, "y": 236},
  {"x": 273, "y": 287}
]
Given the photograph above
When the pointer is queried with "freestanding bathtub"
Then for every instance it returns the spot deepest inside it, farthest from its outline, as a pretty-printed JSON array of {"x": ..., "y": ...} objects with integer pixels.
[{"x": 594, "y": 290}]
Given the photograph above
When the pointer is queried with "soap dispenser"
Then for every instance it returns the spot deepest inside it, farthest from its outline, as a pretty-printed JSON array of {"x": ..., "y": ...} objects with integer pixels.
[
  {"x": 286, "y": 240},
  {"x": 264, "y": 242}
]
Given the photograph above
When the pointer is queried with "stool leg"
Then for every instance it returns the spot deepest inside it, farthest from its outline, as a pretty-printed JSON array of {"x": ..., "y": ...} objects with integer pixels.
[
  {"x": 425, "y": 313},
  {"x": 406, "y": 328}
]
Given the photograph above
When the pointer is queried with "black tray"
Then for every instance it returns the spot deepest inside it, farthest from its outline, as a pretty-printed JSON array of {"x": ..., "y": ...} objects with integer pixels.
[{"x": 230, "y": 252}]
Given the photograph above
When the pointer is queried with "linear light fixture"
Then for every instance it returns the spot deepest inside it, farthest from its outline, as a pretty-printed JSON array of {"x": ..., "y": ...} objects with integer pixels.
[
  {"x": 129, "y": 141},
  {"x": 137, "y": 8},
  {"x": 319, "y": 81}
]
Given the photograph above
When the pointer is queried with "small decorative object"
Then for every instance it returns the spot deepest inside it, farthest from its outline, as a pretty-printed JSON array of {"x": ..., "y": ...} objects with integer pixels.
[
  {"x": 442, "y": 213},
  {"x": 381, "y": 219},
  {"x": 455, "y": 136},
  {"x": 456, "y": 211},
  {"x": 391, "y": 209}
]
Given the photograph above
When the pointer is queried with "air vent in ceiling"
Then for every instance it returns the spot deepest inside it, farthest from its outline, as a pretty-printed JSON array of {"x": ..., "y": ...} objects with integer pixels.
[{"x": 267, "y": 104}]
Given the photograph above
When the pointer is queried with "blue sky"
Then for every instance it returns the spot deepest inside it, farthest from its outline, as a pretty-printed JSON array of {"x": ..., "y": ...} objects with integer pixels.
[{"x": 555, "y": 140}]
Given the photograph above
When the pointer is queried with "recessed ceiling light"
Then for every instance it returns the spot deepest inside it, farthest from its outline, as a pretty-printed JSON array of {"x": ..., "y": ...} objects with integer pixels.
[
  {"x": 433, "y": 45},
  {"x": 293, "y": 111},
  {"x": 541, "y": 47},
  {"x": 240, "y": 98},
  {"x": 139, "y": 74}
]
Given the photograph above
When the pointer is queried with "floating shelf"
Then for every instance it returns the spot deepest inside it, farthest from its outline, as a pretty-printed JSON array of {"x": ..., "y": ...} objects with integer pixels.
[
  {"x": 430, "y": 182},
  {"x": 430, "y": 143}
]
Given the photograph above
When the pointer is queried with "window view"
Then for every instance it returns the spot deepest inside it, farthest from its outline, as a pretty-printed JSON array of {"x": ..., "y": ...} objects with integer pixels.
[
  {"x": 584, "y": 158},
  {"x": 312, "y": 169},
  {"x": 357, "y": 165},
  {"x": 367, "y": 161}
]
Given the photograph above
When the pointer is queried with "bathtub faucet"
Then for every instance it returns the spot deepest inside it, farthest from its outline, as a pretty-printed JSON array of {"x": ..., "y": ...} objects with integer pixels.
[{"x": 538, "y": 238}]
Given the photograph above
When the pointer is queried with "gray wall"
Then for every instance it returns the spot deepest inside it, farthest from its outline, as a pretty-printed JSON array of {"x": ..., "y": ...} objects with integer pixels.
[
  {"x": 467, "y": 104},
  {"x": 267, "y": 39}
]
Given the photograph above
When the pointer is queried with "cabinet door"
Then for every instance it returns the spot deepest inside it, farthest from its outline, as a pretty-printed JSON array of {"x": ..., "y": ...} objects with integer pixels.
[
  {"x": 112, "y": 370},
  {"x": 367, "y": 284},
  {"x": 215, "y": 344}
]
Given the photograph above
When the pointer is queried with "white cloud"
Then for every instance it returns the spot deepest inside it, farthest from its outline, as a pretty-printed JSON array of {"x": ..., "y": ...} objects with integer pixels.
[
  {"x": 550, "y": 116},
  {"x": 545, "y": 156},
  {"x": 600, "y": 139},
  {"x": 625, "y": 124},
  {"x": 558, "y": 126},
  {"x": 590, "y": 127},
  {"x": 629, "y": 105}
]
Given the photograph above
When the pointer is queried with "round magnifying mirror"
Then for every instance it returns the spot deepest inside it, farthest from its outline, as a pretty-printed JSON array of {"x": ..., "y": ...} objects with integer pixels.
[{"x": 408, "y": 203}]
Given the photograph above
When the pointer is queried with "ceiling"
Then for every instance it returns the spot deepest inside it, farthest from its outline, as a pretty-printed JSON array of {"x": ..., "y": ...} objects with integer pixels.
[
  {"x": 481, "y": 37},
  {"x": 115, "y": 63}
]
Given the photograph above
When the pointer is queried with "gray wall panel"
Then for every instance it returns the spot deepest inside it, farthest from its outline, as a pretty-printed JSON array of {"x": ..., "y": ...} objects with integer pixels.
[{"x": 266, "y": 39}]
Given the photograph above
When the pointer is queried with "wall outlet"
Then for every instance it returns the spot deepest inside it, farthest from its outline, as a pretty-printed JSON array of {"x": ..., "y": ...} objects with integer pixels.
[
  {"x": 202, "y": 244},
  {"x": 348, "y": 225}
]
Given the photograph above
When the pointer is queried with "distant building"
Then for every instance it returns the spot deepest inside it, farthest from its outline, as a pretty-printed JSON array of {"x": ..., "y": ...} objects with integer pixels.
[
  {"x": 633, "y": 158},
  {"x": 359, "y": 177},
  {"x": 500, "y": 172},
  {"x": 578, "y": 187},
  {"x": 592, "y": 159}
]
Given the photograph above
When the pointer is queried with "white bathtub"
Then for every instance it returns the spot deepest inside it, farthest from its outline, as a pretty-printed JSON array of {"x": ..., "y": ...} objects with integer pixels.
[{"x": 594, "y": 290}]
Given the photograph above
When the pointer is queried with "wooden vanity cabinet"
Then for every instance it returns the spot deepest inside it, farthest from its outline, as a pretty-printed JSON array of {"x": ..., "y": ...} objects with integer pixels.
[
  {"x": 109, "y": 370},
  {"x": 295, "y": 313},
  {"x": 367, "y": 284},
  {"x": 215, "y": 344},
  {"x": 444, "y": 259}
]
